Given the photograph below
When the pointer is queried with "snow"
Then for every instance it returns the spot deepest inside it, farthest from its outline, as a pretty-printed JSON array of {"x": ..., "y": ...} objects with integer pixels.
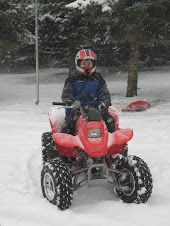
[
  {"x": 50, "y": 17},
  {"x": 56, "y": 116},
  {"x": 84, "y": 3},
  {"x": 22, "y": 123}
]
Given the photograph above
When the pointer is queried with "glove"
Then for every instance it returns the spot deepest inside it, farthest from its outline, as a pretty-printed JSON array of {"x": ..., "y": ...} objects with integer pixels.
[
  {"x": 86, "y": 109},
  {"x": 102, "y": 106},
  {"x": 74, "y": 104},
  {"x": 69, "y": 102}
]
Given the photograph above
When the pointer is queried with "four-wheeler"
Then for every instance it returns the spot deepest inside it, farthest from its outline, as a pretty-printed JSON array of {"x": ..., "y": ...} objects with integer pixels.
[{"x": 92, "y": 157}]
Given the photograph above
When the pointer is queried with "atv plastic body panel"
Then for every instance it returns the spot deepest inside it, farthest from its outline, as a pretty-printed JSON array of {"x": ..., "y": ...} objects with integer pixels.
[{"x": 110, "y": 143}]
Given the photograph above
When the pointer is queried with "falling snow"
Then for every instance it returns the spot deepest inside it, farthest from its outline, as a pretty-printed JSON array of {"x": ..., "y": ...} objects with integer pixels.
[{"x": 22, "y": 123}]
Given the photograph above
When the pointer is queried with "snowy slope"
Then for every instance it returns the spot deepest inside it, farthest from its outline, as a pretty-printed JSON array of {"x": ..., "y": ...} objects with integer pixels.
[{"x": 22, "y": 123}]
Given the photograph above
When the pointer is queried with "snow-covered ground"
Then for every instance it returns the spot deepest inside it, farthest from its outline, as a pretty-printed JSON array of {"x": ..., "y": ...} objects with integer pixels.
[{"x": 22, "y": 123}]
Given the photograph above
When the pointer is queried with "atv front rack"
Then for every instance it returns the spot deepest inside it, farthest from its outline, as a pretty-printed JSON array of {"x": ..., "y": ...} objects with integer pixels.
[{"x": 96, "y": 180}]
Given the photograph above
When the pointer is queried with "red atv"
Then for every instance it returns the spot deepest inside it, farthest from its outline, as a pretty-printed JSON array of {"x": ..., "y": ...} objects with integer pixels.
[{"x": 92, "y": 157}]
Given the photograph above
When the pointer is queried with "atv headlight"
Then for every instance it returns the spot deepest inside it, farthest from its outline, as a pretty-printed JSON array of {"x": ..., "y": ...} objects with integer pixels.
[{"x": 94, "y": 133}]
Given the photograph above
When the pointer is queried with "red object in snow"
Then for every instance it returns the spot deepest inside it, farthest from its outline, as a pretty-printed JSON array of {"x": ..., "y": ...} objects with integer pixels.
[{"x": 137, "y": 106}]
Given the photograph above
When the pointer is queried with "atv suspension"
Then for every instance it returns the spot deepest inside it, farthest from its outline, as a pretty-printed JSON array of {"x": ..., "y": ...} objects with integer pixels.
[
  {"x": 80, "y": 168},
  {"x": 110, "y": 165},
  {"x": 109, "y": 162},
  {"x": 79, "y": 164}
]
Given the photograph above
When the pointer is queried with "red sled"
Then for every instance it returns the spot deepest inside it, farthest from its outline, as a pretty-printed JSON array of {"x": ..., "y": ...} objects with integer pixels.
[{"x": 137, "y": 106}]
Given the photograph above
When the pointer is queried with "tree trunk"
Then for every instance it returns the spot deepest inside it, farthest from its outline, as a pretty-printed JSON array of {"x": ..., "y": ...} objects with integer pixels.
[
  {"x": 133, "y": 64},
  {"x": 72, "y": 54}
]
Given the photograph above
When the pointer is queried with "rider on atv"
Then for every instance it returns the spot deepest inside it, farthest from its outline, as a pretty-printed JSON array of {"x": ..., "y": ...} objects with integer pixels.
[{"x": 87, "y": 86}]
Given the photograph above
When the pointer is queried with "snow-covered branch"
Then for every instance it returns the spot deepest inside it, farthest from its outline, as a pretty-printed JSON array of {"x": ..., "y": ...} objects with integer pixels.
[{"x": 84, "y": 3}]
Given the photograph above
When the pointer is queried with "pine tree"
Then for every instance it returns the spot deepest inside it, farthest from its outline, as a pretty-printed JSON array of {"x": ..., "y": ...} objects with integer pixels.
[
  {"x": 141, "y": 20},
  {"x": 14, "y": 35},
  {"x": 70, "y": 29}
]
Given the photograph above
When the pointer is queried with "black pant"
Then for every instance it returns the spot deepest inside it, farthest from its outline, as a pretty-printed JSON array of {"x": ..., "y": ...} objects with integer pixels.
[
  {"x": 109, "y": 120},
  {"x": 70, "y": 122},
  {"x": 69, "y": 125}
]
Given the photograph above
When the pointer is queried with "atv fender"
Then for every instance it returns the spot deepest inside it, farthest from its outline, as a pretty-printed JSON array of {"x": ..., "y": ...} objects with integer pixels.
[
  {"x": 119, "y": 137},
  {"x": 67, "y": 140}
]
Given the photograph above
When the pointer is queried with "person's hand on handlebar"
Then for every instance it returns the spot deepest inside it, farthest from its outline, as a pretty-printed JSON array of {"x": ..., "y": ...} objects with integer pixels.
[
  {"x": 74, "y": 104},
  {"x": 102, "y": 106}
]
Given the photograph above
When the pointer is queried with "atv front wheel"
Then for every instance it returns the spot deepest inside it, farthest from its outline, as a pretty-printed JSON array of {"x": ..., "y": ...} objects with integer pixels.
[
  {"x": 135, "y": 180},
  {"x": 56, "y": 184},
  {"x": 125, "y": 151}
]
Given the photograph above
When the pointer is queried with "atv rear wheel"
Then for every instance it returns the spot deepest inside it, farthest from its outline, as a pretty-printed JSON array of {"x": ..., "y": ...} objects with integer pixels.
[
  {"x": 49, "y": 150},
  {"x": 56, "y": 184},
  {"x": 135, "y": 179}
]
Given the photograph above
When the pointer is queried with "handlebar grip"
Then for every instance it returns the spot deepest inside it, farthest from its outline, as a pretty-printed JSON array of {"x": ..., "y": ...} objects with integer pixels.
[{"x": 58, "y": 103}]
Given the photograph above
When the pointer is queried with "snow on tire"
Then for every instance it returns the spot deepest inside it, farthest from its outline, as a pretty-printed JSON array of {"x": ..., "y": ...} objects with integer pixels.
[
  {"x": 47, "y": 144},
  {"x": 136, "y": 177},
  {"x": 56, "y": 184},
  {"x": 125, "y": 151}
]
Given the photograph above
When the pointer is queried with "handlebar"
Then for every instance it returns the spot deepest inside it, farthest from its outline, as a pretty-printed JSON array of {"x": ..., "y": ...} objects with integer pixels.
[
  {"x": 58, "y": 103},
  {"x": 76, "y": 104}
]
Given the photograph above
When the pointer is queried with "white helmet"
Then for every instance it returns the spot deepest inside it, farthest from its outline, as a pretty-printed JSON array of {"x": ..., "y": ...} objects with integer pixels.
[{"x": 85, "y": 54}]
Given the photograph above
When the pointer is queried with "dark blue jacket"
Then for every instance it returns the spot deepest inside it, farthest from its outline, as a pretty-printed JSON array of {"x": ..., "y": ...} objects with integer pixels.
[{"x": 88, "y": 90}]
